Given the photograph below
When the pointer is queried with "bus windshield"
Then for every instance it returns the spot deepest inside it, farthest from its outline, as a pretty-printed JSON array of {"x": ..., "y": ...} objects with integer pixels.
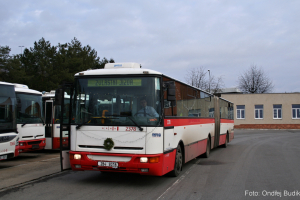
[
  {"x": 29, "y": 108},
  {"x": 114, "y": 101},
  {"x": 7, "y": 108}
]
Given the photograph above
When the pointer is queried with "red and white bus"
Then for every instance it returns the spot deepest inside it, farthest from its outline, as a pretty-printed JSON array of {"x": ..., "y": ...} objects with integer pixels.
[
  {"x": 52, "y": 121},
  {"x": 30, "y": 121},
  {"x": 129, "y": 119},
  {"x": 8, "y": 128}
]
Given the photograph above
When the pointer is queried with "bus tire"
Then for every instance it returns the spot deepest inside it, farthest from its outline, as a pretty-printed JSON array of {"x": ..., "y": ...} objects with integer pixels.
[
  {"x": 178, "y": 162},
  {"x": 226, "y": 142},
  {"x": 206, "y": 154}
]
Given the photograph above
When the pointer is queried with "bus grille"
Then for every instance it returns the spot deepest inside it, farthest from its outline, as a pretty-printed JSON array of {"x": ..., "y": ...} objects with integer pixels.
[
  {"x": 102, "y": 147},
  {"x": 34, "y": 142}
]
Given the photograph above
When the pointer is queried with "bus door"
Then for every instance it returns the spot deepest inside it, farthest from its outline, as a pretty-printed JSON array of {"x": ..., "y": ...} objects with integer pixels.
[
  {"x": 63, "y": 97},
  {"x": 48, "y": 123},
  {"x": 217, "y": 122}
]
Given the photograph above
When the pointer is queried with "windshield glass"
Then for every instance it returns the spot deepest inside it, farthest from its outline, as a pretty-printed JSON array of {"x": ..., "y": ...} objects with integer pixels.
[
  {"x": 29, "y": 108},
  {"x": 7, "y": 108},
  {"x": 117, "y": 101}
]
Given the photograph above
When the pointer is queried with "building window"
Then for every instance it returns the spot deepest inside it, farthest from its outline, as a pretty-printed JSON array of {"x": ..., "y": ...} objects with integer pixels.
[
  {"x": 296, "y": 111},
  {"x": 277, "y": 111},
  {"x": 259, "y": 111},
  {"x": 240, "y": 111}
]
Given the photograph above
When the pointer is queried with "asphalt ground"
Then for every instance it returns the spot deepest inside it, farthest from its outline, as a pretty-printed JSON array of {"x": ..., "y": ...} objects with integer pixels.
[{"x": 28, "y": 167}]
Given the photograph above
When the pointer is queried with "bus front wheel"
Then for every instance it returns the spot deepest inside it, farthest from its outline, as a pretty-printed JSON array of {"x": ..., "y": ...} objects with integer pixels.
[{"x": 178, "y": 162}]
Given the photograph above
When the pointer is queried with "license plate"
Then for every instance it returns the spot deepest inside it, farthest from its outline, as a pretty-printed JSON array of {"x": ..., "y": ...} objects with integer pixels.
[
  {"x": 108, "y": 164},
  {"x": 3, "y": 157},
  {"x": 35, "y": 146}
]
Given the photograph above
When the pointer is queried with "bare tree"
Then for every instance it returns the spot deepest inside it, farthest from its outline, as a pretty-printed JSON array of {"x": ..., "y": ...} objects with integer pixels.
[
  {"x": 254, "y": 80},
  {"x": 199, "y": 78}
]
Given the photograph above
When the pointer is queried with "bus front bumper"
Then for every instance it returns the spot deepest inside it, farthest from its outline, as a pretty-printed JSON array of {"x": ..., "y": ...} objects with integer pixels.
[
  {"x": 156, "y": 165},
  {"x": 31, "y": 145}
]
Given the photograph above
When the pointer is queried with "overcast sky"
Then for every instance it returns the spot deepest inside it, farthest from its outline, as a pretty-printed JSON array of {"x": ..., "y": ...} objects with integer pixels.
[{"x": 169, "y": 36}]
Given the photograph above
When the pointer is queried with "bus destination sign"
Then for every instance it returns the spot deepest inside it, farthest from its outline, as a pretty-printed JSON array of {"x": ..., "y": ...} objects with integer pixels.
[{"x": 115, "y": 82}]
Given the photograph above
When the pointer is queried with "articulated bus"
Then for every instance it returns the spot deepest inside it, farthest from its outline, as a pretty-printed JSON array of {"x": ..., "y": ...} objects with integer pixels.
[
  {"x": 52, "y": 121},
  {"x": 30, "y": 121},
  {"x": 8, "y": 127},
  {"x": 128, "y": 119}
]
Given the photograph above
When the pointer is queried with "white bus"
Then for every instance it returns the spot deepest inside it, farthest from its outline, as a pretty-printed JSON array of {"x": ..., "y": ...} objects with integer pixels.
[
  {"x": 52, "y": 121},
  {"x": 30, "y": 121},
  {"x": 8, "y": 127},
  {"x": 129, "y": 119}
]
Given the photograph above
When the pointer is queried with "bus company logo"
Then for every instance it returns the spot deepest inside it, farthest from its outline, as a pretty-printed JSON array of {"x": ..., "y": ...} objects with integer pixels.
[
  {"x": 114, "y": 128},
  {"x": 12, "y": 143},
  {"x": 168, "y": 121},
  {"x": 156, "y": 135}
]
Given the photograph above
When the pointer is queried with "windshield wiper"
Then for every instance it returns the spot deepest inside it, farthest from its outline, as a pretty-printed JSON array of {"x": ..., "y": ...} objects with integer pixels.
[
  {"x": 140, "y": 128},
  {"x": 30, "y": 116},
  {"x": 79, "y": 125}
]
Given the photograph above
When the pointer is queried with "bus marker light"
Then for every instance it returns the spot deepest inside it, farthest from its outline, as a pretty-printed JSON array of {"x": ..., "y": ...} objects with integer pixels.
[
  {"x": 144, "y": 170},
  {"x": 143, "y": 159},
  {"x": 77, "y": 166},
  {"x": 175, "y": 133},
  {"x": 154, "y": 159},
  {"x": 77, "y": 156}
]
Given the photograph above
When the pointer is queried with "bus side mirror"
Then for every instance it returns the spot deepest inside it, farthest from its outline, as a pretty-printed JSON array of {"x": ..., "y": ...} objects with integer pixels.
[
  {"x": 58, "y": 97},
  {"x": 171, "y": 93}
]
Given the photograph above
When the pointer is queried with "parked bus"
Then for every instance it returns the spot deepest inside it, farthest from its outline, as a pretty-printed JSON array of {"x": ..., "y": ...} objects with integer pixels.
[
  {"x": 52, "y": 121},
  {"x": 30, "y": 121},
  {"x": 129, "y": 119},
  {"x": 8, "y": 127}
]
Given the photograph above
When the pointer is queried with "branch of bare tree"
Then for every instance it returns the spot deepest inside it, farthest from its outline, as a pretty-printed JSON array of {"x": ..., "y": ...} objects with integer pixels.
[
  {"x": 254, "y": 80},
  {"x": 198, "y": 77}
]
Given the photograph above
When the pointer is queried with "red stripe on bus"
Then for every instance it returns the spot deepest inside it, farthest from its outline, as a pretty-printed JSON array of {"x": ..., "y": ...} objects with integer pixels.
[
  {"x": 227, "y": 121},
  {"x": 186, "y": 122}
]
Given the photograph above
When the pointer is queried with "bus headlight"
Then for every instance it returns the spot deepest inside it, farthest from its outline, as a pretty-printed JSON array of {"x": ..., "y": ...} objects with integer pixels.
[
  {"x": 143, "y": 159},
  {"x": 77, "y": 156}
]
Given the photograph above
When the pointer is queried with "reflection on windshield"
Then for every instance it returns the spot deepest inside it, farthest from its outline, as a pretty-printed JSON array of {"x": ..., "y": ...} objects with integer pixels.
[
  {"x": 7, "y": 108},
  {"x": 29, "y": 108},
  {"x": 118, "y": 101}
]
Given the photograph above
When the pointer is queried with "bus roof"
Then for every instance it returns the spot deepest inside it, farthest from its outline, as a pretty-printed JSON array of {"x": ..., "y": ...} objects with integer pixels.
[
  {"x": 24, "y": 89},
  {"x": 5, "y": 83},
  {"x": 118, "y": 69}
]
